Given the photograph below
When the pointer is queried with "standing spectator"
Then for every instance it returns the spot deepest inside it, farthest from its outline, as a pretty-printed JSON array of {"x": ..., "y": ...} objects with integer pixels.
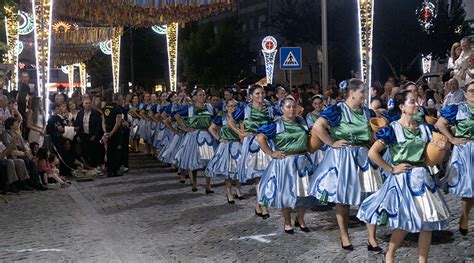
[
  {"x": 55, "y": 127},
  {"x": 88, "y": 125},
  {"x": 454, "y": 93},
  {"x": 35, "y": 122},
  {"x": 468, "y": 73},
  {"x": 113, "y": 135},
  {"x": 4, "y": 113},
  {"x": 454, "y": 55}
]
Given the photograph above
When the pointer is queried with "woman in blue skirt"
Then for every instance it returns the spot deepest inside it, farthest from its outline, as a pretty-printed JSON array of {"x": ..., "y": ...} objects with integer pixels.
[
  {"x": 284, "y": 182},
  {"x": 410, "y": 200},
  {"x": 253, "y": 161},
  {"x": 198, "y": 145},
  {"x": 460, "y": 170},
  {"x": 227, "y": 156},
  {"x": 345, "y": 175}
]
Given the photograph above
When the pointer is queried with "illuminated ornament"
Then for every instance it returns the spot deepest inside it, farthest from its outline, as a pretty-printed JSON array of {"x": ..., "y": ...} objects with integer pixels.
[
  {"x": 11, "y": 24},
  {"x": 42, "y": 13},
  {"x": 426, "y": 15},
  {"x": 269, "y": 50},
  {"x": 115, "y": 43},
  {"x": 26, "y": 23},
  {"x": 159, "y": 29},
  {"x": 106, "y": 47},
  {"x": 426, "y": 63},
  {"x": 19, "y": 47},
  {"x": 366, "y": 17},
  {"x": 65, "y": 69},
  {"x": 83, "y": 77},
  {"x": 61, "y": 27},
  {"x": 172, "y": 43},
  {"x": 70, "y": 77}
]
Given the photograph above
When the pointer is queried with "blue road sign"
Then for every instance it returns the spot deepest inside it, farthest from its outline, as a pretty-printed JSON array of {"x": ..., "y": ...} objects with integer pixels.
[{"x": 290, "y": 58}]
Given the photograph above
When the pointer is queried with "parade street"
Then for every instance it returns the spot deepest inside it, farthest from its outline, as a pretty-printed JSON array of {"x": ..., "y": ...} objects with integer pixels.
[{"x": 148, "y": 216}]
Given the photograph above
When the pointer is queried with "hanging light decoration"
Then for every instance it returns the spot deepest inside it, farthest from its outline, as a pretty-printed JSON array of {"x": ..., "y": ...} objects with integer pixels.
[
  {"x": 159, "y": 29},
  {"x": 269, "y": 50},
  {"x": 65, "y": 69},
  {"x": 426, "y": 15},
  {"x": 27, "y": 23},
  {"x": 366, "y": 17},
  {"x": 42, "y": 13},
  {"x": 19, "y": 47},
  {"x": 106, "y": 47},
  {"x": 11, "y": 25},
  {"x": 426, "y": 63},
  {"x": 61, "y": 27},
  {"x": 172, "y": 43},
  {"x": 116, "y": 61},
  {"x": 70, "y": 77},
  {"x": 83, "y": 76}
]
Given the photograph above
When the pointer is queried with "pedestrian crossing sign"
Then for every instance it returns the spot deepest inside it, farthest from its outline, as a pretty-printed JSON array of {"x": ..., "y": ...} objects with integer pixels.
[{"x": 290, "y": 58}]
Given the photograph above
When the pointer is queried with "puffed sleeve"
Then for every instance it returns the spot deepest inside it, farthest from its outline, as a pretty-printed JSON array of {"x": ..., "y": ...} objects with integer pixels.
[
  {"x": 181, "y": 111},
  {"x": 217, "y": 121},
  {"x": 449, "y": 112},
  {"x": 391, "y": 116},
  {"x": 269, "y": 130},
  {"x": 386, "y": 134},
  {"x": 277, "y": 111},
  {"x": 332, "y": 114},
  {"x": 238, "y": 114},
  {"x": 309, "y": 120}
]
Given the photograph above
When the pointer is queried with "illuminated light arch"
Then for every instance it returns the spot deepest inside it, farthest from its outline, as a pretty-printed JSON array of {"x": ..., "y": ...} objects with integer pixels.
[{"x": 365, "y": 19}]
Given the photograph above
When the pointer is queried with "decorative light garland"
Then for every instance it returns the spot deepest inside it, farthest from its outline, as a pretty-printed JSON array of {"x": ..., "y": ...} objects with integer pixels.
[
  {"x": 366, "y": 16},
  {"x": 83, "y": 76},
  {"x": 42, "y": 13},
  {"x": 426, "y": 15},
  {"x": 159, "y": 29},
  {"x": 269, "y": 50},
  {"x": 426, "y": 63},
  {"x": 172, "y": 43},
  {"x": 70, "y": 77},
  {"x": 11, "y": 25},
  {"x": 61, "y": 27},
  {"x": 27, "y": 23},
  {"x": 116, "y": 59}
]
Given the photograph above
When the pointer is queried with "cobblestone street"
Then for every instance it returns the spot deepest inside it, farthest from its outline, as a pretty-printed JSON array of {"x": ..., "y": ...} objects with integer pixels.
[{"x": 147, "y": 215}]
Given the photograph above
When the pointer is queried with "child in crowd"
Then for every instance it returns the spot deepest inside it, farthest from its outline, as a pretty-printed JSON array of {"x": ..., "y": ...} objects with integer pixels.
[{"x": 47, "y": 164}]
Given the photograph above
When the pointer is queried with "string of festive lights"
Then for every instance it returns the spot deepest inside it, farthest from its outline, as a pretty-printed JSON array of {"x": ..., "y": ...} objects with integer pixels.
[
  {"x": 42, "y": 14},
  {"x": 172, "y": 43},
  {"x": 115, "y": 43},
  {"x": 11, "y": 25},
  {"x": 426, "y": 16},
  {"x": 366, "y": 16},
  {"x": 70, "y": 77},
  {"x": 269, "y": 50},
  {"x": 83, "y": 77}
]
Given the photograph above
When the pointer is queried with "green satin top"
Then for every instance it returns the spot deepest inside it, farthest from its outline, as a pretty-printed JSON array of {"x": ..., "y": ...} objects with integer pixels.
[
  {"x": 201, "y": 119},
  {"x": 411, "y": 151},
  {"x": 293, "y": 140},
  {"x": 257, "y": 119},
  {"x": 465, "y": 128},
  {"x": 228, "y": 134},
  {"x": 358, "y": 132}
]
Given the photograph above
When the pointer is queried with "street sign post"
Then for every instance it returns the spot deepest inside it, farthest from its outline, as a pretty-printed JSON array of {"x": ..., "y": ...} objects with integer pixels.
[{"x": 291, "y": 59}]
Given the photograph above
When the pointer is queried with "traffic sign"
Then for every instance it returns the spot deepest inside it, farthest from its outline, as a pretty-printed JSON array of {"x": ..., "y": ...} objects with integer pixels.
[{"x": 290, "y": 58}]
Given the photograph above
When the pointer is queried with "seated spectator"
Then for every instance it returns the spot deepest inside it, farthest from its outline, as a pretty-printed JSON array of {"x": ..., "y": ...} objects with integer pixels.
[{"x": 46, "y": 165}]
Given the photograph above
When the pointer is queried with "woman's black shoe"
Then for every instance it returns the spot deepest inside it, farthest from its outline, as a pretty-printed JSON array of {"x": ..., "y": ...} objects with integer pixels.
[
  {"x": 374, "y": 249},
  {"x": 463, "y": 231},
  {"x": 265, "y": 216},
  {"x": 230, "y": 201},
  {"x": 239, "y": 197},
  {"x": 291, "y": 231},
  {"x": 209, "y": 191},
  {"x": 182, "y": 181},
  {"x": 194, "y": 189},
  {"x": 304, "y": 229},
  {"x": 258, "y": 214},
  {"x": 348, "y": 247}
]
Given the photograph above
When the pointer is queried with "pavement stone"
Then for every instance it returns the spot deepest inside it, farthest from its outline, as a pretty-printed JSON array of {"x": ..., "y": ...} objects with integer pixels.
[{"x": 148, "y": 216}]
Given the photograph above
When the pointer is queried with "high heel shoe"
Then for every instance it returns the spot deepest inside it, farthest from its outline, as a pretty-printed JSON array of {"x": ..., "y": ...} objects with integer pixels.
[
  {"x": 257, "y": 213},
  {"x": 463, "y": 231},
  {"x": 209, "y": 191},
  {"x": 374, "y": 249},
  {"x": 230, "y": 201},
  {"x": 239, "y": 197},
  {"x": 304, "y": 229},
  {"x": 194, "y": 189},
  {"x": 348, "y": 247},
  {"x": 265, "y": 216},
  {"x": 290, "y": 231}
]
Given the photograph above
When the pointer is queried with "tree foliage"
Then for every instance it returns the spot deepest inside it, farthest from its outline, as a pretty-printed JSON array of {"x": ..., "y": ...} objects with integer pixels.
[{"x": 215, "y": 57}]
